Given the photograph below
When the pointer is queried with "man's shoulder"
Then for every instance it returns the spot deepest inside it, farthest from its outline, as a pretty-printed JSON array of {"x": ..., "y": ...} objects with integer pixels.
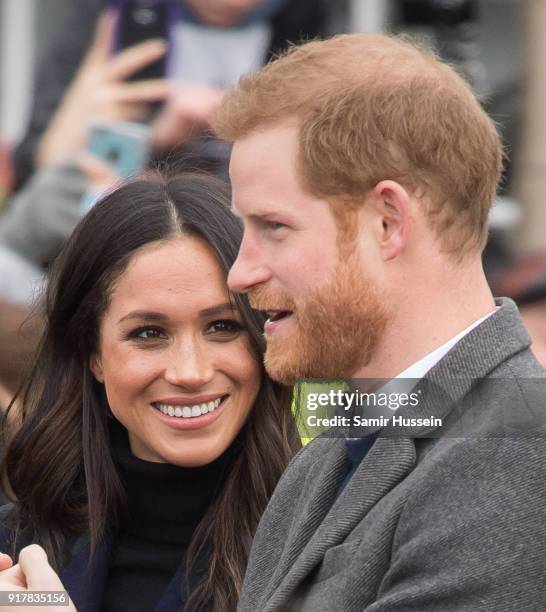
[
  {"x": 511, "y": 400},
  {"x": 520, "y": 365}
]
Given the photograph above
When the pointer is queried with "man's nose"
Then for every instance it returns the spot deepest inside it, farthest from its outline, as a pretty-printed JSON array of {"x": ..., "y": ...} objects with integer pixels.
[
  {"x": 248, "y": 270},
  {"x": 189, "y": 364}
]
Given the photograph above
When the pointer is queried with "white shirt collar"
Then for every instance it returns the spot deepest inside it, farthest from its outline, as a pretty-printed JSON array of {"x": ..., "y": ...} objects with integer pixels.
[{"x": 421, "y": 367}]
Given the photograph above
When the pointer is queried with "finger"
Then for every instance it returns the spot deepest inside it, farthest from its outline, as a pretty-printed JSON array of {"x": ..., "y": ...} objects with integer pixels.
[
  {"x": 153, "y": 90},
  {"x": 173, "y": 131},
  {"x": 170, "y": 128},
  {"x": 120, "y": 111},
  {"x": 5, "y": 561},
  {"x": 39, "y": 575},
  {"x": 130, "y": 60},
  {"x": 12, "y": 577},
  {"x": 99, "y": 174},
  {"x": 103, "y": 40}
]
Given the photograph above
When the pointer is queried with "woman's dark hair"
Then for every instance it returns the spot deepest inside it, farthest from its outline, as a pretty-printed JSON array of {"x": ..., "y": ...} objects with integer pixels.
[{"x": 58, "y": 463}]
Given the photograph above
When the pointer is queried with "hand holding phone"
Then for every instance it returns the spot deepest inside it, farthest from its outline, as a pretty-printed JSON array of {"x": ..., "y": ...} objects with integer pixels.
[{"x": 100, "y": 92}]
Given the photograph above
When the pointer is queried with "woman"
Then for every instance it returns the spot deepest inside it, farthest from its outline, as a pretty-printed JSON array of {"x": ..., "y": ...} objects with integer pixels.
[{"x": 151, "y": 439}]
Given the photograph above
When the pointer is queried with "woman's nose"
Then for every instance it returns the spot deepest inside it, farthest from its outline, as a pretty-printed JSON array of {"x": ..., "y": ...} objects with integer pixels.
[{"x": 189, "y": 364}]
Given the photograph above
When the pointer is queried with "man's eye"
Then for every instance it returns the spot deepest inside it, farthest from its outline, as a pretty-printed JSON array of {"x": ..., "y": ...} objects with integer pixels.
[
  {"x": 224, "y": 327},
  {"x": 275, "y": 225}
]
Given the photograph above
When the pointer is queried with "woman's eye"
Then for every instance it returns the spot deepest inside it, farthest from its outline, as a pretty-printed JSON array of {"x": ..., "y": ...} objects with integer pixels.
[
  {"x": 224, "y": 327},
  {"x": 147, "y": 333}
]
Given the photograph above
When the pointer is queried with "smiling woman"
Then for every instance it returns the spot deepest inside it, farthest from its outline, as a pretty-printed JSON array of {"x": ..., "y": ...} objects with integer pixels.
[
  {"x": 189, "y": 377},
  {"x": 151, "y": 438}
]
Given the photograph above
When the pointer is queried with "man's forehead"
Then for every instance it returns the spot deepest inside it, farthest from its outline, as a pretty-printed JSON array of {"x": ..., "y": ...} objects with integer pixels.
[
  {"x": 263, "y": 144},
  {"x": 257, "y": 200},
  {"x": 262, "y": 171}
]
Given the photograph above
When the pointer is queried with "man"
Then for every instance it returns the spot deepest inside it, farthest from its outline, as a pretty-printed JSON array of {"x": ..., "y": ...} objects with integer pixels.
[{"x": 364, "y": 169}]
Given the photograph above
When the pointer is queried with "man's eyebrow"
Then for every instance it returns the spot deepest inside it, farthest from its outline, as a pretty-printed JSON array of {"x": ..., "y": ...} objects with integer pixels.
[{"x": 266, "y": 215}]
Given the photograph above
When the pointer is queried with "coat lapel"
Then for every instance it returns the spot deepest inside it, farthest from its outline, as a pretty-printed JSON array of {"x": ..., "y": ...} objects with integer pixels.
[
  {"x": 174, "y": 596},
  {"x": 319, "y": 493},
  {"x": 324, "y": 525}
]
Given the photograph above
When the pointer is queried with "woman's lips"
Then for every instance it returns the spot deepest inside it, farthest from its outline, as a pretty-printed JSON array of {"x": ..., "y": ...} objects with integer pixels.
[{"x": 187, "y": 423}]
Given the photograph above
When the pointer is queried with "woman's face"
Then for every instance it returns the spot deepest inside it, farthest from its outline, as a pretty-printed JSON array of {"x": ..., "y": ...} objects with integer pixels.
[{"x": 174, "y": 356}]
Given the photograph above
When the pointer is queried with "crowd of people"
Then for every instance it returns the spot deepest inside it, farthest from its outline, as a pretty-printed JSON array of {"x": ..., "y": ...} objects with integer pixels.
[{"x": 313, "y": 211}]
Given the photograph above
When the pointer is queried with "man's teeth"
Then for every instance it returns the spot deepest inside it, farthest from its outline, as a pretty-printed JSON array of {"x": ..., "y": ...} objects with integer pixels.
[
  {"x": 275, "y": 315},
  {"x": 187, "y": 412}
]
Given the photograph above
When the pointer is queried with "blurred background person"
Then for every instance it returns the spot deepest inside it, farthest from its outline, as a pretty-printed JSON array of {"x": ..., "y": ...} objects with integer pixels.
[{"x": 212, "y": 43}]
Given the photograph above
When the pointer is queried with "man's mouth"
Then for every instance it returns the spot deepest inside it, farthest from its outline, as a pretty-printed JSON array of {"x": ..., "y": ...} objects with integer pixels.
[{"x": 276, "y": 315}]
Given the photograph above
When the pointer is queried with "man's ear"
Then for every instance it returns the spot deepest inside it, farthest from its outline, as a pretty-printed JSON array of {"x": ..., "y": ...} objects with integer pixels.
[
  {"x": 95, "y": 365},
  {"x": 393, "y": 207}
]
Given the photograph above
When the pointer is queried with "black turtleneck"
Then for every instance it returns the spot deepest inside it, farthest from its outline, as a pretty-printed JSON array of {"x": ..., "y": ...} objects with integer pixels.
[{"x": 165, "y": 504}]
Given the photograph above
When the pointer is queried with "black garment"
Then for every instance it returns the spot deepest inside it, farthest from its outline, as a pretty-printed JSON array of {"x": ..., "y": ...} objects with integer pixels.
[{"x": 165, "y": 505}]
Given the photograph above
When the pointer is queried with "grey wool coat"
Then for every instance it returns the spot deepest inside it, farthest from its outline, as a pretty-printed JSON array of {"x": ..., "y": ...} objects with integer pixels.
[{"x": 425, "y": 524}]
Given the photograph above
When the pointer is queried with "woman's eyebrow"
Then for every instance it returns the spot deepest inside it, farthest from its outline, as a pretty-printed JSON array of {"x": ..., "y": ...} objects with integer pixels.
[
  {"x": 219, "y": 309},
  {"x": 148, "y": 315},
  {"x": 145, "y": 315}
]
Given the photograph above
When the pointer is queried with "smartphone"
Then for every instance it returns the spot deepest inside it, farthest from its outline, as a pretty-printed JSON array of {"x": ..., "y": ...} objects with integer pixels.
[
  {"x": 437, "y": 12},
  {"x": 141, "y": 20},
  {"x": 124, "y": 146}
]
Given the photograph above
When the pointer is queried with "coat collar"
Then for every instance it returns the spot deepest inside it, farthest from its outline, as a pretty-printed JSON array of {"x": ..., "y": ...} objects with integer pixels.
[{"x": 473, "y": 358}]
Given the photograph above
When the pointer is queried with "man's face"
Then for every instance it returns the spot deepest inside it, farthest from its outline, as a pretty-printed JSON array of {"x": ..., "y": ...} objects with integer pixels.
[{"x": 326, "y": 314}]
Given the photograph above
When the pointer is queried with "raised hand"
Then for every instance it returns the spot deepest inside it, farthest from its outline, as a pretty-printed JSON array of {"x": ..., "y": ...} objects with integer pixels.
[
  {"x": 99, "y": 92},
  {"x": 186, "y": 115},
  {"x": 32, "y": 573}
]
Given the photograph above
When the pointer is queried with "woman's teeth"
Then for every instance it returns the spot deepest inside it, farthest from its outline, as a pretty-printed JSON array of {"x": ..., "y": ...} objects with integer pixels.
[{"x": 187, "y": 412}]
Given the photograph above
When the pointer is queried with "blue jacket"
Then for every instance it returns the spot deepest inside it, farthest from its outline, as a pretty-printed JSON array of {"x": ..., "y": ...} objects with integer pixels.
[{"x": 86, "y": 585}]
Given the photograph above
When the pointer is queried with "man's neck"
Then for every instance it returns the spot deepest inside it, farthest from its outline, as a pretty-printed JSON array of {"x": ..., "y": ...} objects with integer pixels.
[{"x": 426, "y": 321}]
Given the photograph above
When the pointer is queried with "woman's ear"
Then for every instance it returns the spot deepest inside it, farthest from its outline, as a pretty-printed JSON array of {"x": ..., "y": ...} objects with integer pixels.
[{"x": 95, "y": 366}]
